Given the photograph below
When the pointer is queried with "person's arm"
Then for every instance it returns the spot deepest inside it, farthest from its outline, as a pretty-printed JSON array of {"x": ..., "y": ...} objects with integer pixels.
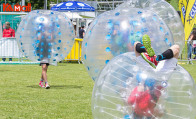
[
  {"x": 83, "y": 33},
  {"x": 3, "y": 33},
  {"x": 191, "y": 37},
  {"x": 189, "y": 40},
  {"x": 39, "y": 36},
  {"x": 52, "y": 37},
  {"x": 13, "y": 33}
]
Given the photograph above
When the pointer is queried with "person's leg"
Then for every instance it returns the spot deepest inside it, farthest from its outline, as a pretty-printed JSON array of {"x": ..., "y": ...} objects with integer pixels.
[
  {"x": 145, "y": 47},
  {"x": 194, "y": 50},
  {"x": 41, "y": 83},
  {"x": 44, "y": 75},
  {"x": 138, "y": 48},
  {"x": 168, "y": 59},
  {"x": 142, "y": 55},
  {"x": 176, "y": 50},
  {"x": 44, "y": 71},
  {"x": 42, "y": 78},
  {"x": 147, "y": 44},
  {"x": 3, "y": 59},
  {"x": 189, "y": 51},
  {"x": 173, "y": 51}
]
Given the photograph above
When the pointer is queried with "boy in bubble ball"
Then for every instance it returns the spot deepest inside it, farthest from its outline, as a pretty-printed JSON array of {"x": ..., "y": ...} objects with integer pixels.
[
  {"x": 45, "y": 38},
  {"x": 144, "y": 97}
]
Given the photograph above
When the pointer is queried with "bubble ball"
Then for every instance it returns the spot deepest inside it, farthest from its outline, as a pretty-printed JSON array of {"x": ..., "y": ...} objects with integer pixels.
[
  {"x": 45, "y": 36},
  {"x": 126, "y": 90},
  {"x": 164, "y": 10},
  {"x": 114, "y": 33}
]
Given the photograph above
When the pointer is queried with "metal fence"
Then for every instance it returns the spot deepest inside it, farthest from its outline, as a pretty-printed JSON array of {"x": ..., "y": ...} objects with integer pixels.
[
  {"x": 9, "y": 49},
  {"x": 8, "y": 45}
]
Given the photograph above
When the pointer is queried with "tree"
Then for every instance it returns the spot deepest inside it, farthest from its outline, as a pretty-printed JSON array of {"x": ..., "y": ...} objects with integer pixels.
[
  {"x": 10, "y": 1},
  {"x": 39, "y": 4},
  {"x": 36, "y": 4},
  {"x": 168, "y": 1}
]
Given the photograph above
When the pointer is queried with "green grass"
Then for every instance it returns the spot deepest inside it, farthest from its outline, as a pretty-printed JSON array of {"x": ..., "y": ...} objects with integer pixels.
[
  {"x": 191, "y": 68},
  {"x": 174, "y": 3},
  {"x": 68, "y": 98}
]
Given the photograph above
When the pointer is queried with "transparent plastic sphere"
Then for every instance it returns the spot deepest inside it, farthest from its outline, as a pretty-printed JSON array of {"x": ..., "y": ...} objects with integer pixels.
[
  {"x": 164, "y": 10},
  {"x": 127, "y": 90},
  {"x": 115, "y": 32},
  {"x": 45, "y": 36}
]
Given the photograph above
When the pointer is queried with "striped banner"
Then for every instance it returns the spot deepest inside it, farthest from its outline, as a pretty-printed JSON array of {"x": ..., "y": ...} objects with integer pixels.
[
  {"x": 182, "y": 7},
  {"x": 190, "y": 18}
]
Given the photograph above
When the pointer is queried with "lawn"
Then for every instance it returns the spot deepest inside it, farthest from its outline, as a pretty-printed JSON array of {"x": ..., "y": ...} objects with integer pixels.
[
  {"x": 191, "y": 68},
  {"x": 68, "y": 98}
]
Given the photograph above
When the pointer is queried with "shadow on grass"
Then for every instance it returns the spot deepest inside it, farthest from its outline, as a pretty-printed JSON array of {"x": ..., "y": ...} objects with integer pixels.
[
  {"x": 58, "y": 86},
  {"x": 4, "y": 70}
]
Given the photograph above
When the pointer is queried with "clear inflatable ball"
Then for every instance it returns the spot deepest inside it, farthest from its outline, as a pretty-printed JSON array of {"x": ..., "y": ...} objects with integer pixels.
[
  {"x": 45, "y": 36},
  {"x": 126, "y": 90},
  {"x": 165, "y": 11},
  {"x": 115, "y": 32}
]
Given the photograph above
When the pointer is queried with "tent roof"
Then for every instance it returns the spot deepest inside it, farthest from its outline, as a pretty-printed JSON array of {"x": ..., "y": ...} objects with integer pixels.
[{"x": 72, "y": 15}]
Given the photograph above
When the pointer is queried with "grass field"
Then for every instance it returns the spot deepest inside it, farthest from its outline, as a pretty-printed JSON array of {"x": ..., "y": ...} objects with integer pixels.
[{"x": 68, "y": 98}]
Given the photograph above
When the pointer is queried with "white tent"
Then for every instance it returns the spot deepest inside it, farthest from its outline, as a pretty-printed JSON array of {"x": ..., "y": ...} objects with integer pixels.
[{"x": 72, "y": 15}]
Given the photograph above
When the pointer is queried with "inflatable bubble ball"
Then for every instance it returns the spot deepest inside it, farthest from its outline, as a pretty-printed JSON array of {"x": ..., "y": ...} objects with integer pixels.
[
  {"x": 114, "y": 33},
  {"x": 126, "y": 90},
  {"x": 45, "y": 36},
  {"x": 164, "y": 10}
]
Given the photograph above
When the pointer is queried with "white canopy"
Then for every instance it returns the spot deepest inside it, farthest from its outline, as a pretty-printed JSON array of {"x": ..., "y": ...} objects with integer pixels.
[{"x": 72, "y": 15}]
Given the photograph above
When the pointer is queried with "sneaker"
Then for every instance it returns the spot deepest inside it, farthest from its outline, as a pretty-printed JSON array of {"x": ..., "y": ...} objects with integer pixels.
[
  {"x": 147, "y": 44},
  {"x": 47, "y": 86},
  {"x": 151, "y": 60},
  {"x": 41, "y": 84}
]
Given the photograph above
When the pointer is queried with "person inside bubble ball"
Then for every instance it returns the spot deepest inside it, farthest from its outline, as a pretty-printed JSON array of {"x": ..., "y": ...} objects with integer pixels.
[
  {"x": 143, "y": 98},
  {"x": 44, "y": 48}
]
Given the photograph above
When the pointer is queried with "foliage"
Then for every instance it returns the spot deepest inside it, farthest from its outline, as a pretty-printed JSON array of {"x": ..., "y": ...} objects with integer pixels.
[
  {"x": 39, "y": 4},
  {"x": 174, "y": 3},
  {"x": 168, "y": 1},
  {"x": 36, "y": 4}
]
